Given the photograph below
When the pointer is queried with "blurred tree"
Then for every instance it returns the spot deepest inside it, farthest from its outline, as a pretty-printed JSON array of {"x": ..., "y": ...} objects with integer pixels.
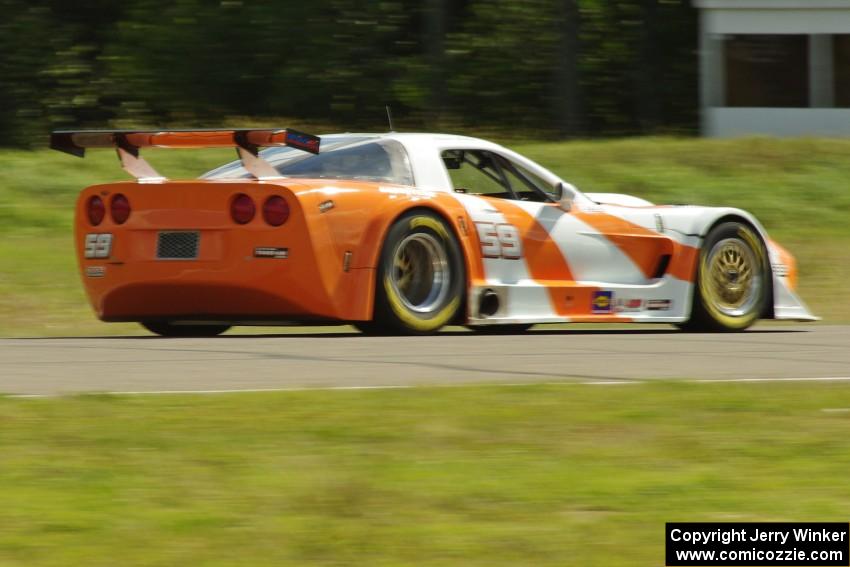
[
  {"x": 647, "y": 85},
  {"x": 23, "y": 61},
  {"x": 500, "y": 65},
  {"x": 435, "y": 31},
  {"x": 523, "y": 67},
  {"x": 567, "y": 96}
]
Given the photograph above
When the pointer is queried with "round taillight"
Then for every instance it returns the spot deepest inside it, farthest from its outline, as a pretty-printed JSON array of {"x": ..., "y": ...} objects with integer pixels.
[
  {"x": 96, "y": 210},
  {"x": 119, "y": 206},
  {"x": 242, "y": 208},
  {"x": 276, "y": 210}
]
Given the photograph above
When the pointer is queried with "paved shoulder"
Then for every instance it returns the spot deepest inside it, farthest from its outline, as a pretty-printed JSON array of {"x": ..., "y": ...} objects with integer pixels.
[{"x": 142, "y": 364}]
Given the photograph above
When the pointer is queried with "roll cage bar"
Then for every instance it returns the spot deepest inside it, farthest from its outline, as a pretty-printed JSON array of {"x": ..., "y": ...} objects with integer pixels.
[{"x": 488, "y": 159}]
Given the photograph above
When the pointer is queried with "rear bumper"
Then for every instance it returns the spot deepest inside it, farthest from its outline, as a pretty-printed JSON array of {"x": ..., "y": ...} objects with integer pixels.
[
  {"x": 246, "y": 290},
  {"x": 228, "y": 281}
]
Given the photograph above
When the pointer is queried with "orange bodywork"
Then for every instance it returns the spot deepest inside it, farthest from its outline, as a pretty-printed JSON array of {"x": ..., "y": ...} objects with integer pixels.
[
  {"x": 227, "y": 281},
  {"x": 787, "y": 260},
  {"x": 576, "y": 260}
]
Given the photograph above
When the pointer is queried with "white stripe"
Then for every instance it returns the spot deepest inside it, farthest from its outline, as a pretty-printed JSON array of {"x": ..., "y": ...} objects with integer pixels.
[
  {"x": 203, "y": 392},
  {"x": 415, "y": 386},
  {"x": 589, "y": 253},
  {"x": 526, "y": 298},
  {"x": 790, "y": 379}
]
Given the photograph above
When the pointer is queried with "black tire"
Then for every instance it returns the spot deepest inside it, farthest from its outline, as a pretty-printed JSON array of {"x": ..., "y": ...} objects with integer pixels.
[
  {"x": 421, "y": 278},
  {"x": 369, "y": 327},
  {"x": 733, "y": 283},
  {"x": 166, "y": 329},
  {"x": 513, "y": 329}
]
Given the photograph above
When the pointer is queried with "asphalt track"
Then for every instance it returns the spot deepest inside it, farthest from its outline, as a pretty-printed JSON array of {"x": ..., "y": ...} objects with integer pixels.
[{"x": 349, "y": 360}]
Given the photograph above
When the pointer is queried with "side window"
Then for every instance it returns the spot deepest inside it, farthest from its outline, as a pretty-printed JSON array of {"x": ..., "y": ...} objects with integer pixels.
[
  {"x": 526, "y": 185},
  {"x": 476, "y": 172},
  {"x": 383, "y": 160}
]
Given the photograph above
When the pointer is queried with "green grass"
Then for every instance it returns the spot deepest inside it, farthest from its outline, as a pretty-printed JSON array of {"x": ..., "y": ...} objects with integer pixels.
[
  {"x": 799, "y": 189},
  {"x": 537, "y": 475}
]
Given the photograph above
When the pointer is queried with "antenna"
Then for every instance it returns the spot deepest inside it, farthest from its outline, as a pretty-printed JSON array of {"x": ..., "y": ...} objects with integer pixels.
[{"x": 390, "y": 118}]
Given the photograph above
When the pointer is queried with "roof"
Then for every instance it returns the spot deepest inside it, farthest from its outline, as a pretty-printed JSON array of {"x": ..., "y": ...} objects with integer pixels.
[
  {"x": 774, "y": 16},
  {"x": 773, "y": 4},
  {"x": 405, "y": 136}
]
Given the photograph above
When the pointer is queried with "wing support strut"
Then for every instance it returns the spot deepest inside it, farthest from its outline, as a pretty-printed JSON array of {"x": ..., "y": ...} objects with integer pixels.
[{"x": 128, "y": 142}]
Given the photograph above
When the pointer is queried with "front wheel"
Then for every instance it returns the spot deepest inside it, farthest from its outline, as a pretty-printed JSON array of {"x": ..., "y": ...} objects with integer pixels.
[
  {"x": 167, "y": 329},
  {"x": 421, "y": 278},
  {"x": 733, "y": 279}
]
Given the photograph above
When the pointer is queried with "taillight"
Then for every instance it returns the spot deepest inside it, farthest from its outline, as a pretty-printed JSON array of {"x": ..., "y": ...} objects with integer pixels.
[
  {"x": 96, "y": 210},
  {"x": 242, "y": 208},
  {"x": 119, "y": 206},
  {"x": 276, "y": 210}
]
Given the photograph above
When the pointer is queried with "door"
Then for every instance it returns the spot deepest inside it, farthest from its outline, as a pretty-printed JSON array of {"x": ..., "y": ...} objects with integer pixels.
[{"x": 555, "y": 264}]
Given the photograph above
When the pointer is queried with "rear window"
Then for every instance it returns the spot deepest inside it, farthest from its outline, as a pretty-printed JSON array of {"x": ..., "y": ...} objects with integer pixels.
[{"x": 364, "y": 159}]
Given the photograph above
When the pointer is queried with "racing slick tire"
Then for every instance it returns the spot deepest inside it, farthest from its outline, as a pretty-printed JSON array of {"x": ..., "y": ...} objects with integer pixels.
[
  {"x": 369, "y": 327},
  {"x": 167, "y": 329},
  {"x": 421, "y": 278},
  {"x": 500, "y": 329},
  {"x": 733, "y": 280}
]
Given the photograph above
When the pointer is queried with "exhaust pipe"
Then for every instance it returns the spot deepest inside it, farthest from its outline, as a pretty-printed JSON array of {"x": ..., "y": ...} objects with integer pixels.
[{"x": 488, "y": 304}]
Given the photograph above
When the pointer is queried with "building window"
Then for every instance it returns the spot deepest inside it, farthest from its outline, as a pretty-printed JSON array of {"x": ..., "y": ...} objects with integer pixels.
[
  {"x": 841, "y": 57},
  {"x": 767, "y": 71}
]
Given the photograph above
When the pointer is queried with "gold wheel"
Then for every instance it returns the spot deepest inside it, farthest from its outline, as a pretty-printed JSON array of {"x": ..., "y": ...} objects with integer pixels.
[
  {"x": 732, "y": 277},
  {"x": 732, "y": 281}
]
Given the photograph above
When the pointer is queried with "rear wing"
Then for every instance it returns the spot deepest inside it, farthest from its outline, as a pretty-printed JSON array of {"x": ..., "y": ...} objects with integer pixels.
[{"x": 128, "y": 142}]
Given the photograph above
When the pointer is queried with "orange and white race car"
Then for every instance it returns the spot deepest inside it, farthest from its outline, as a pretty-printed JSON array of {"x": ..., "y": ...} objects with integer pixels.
[{"x": 405, "y": 233}]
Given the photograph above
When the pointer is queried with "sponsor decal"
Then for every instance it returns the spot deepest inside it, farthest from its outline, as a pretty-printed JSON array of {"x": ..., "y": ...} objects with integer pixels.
[
  {"x": 302, "y": 141},
  {"x": 95, "y": 271},
  {"x": 628, "y": 305},
  {"x": 603, "y": 302},
  {"x": 325, "y": 206},
  {"x": 271, "y": 252},
  {"x": 659, "y": 304},
  {"x": 98, "y": 245},
  {"x": 780, "y": 270}
]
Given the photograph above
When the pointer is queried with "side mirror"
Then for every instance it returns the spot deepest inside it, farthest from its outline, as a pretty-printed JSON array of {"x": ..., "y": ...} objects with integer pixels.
[{"x": 565, "y": 197}]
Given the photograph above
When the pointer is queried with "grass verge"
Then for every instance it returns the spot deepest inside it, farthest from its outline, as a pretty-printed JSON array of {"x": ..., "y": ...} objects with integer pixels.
[
  {"x": 537, "y": 475},
  {"x": 797, "y": 188}
]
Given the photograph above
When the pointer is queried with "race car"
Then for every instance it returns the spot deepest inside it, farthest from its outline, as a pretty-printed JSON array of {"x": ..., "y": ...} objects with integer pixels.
[{"x": 404, "y": 233}]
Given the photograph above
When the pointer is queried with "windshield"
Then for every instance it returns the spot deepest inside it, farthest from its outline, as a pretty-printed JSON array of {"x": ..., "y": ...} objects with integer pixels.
[{"x": 341, "y": 157}]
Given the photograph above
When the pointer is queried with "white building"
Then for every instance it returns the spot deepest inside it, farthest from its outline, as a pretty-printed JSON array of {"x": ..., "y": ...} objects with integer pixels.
[{"x": 776, "y": 67}]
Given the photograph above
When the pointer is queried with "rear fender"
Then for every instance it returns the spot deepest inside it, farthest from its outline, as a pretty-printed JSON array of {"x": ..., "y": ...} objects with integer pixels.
[
  {"x": 453, "y": 213},
  {"x": 359, "y": 220}
]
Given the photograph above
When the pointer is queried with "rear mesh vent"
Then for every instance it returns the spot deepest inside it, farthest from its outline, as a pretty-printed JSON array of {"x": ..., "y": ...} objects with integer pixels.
[{"x": 177, "y": 245}]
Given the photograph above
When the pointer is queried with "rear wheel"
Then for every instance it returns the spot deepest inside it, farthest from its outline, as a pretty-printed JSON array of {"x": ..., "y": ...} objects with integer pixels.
[
  {"x": 168, "y": 329},
  {"x": 421, "y": 278},
  {"x": 733, "y": 280}
]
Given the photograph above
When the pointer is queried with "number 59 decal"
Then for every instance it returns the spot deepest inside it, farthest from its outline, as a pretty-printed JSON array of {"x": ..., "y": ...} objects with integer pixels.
[
  {"x": 98, "y": 245},
  {"x": 499, "y": 240}
]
